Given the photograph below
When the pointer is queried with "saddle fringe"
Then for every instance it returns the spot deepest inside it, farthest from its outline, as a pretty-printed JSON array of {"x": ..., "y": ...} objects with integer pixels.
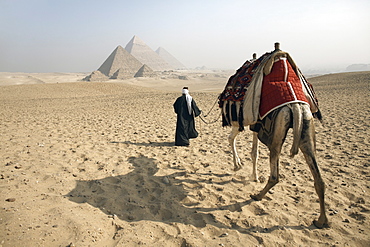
[{"x": 232, "y": 112}]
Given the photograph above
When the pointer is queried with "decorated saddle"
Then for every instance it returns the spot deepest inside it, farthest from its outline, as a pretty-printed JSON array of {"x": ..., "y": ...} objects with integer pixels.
[
  {"x": 238, "y": 83},
  {"x": 263, "y": 85}
]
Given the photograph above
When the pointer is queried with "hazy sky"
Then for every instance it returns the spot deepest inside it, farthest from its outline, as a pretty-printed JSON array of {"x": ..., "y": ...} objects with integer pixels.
[{"x": 78, "y": 35}]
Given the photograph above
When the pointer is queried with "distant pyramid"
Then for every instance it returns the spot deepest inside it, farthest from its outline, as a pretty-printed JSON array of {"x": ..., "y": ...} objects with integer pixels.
[
  {"x": 169, "y": 58},
  {"x": 145, "y": 71},
  {"x": 121, "y": 60},
  {"x": 146, "y": 55},
  {"x": 122, "y": 74},
  {"x": 96, "y": 76}
]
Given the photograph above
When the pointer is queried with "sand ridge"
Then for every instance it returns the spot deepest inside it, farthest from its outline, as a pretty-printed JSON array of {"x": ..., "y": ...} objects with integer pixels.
[{"x": 94, "y": 164}]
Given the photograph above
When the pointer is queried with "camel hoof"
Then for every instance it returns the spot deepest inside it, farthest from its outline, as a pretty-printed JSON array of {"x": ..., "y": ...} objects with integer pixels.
[
  {"x": 320, "y": 225},
  {"x": 237, "y": 168},
  {"x": 255, "y": 197}
]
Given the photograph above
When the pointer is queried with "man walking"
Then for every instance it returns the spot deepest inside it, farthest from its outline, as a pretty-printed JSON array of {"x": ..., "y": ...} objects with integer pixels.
[{"x": 186, "y": 110}]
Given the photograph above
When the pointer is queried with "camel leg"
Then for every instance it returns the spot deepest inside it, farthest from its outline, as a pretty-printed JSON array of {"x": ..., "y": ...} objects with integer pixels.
[
  {"x": 254, "y": 154},
  {"x": 280, "y": 131},
  {"x": 232, "y": 140},
  {"x": 308, "y": 149},
  {"x": 319, "y": 187},
  {"x": 274, "y": 174}
]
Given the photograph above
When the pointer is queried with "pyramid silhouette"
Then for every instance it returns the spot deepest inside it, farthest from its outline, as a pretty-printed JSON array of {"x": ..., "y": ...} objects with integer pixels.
[
  {"x": 145, "y": 71},
  {"x": 169, "y": 58},
  {"x": 96, "y": 76},
  {"x": 122, "y": 62},
  {"x": 122, "y": 74},
  {"x": 146, "y": 55}
]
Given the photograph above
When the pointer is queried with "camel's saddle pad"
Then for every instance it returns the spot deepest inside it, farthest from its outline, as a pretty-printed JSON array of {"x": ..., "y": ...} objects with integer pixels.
[{"x": 280, "y": 87}]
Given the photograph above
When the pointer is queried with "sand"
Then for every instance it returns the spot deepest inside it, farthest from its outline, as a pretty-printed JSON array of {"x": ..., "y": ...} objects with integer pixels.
[{"x": 94, "y": 164}]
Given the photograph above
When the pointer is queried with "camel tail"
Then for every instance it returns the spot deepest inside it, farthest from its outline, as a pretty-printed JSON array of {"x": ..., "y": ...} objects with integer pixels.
[{"x": 297, "y": 128}]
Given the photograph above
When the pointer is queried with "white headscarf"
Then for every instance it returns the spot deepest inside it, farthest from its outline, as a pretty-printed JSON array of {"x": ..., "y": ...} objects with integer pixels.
[{"x": 188, "y": 99}]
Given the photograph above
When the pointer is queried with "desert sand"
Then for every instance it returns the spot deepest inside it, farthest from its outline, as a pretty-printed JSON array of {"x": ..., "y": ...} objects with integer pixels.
[{"x": 94, "y": 164}]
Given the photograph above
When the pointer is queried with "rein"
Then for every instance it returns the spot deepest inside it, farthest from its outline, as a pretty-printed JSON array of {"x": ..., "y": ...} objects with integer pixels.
[{"x": 204, "y": 121}]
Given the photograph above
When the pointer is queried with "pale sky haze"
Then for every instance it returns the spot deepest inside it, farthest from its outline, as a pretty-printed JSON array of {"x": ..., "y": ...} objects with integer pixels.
[{"x": 78, "y": 35}]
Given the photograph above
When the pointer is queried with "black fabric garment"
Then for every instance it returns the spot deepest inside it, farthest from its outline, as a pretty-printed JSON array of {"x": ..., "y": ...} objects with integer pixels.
[{"x": 185, "y": 125}]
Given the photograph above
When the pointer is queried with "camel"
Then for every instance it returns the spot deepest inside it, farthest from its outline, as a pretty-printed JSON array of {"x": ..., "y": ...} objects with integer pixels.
[{"x": 294, "y": 114}]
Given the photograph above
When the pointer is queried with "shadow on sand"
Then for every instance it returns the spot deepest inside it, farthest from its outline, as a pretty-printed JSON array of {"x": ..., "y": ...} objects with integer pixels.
[
  {"x": 145, "y": 144},
  {"x": 141, "y": 195}
]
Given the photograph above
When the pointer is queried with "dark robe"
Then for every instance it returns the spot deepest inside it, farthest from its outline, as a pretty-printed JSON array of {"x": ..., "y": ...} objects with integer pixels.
[{"x": 185, "y": 125}]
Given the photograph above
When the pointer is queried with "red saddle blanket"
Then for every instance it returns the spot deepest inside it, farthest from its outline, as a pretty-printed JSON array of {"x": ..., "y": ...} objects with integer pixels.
[{"x": 280, "y": 87}]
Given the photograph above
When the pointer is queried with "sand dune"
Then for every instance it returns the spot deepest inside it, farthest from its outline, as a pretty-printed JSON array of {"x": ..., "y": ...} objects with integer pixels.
[{"x": 94, "y": 164}]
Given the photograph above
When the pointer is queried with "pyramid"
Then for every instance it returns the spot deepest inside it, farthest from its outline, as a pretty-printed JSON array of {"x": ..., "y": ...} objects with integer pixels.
[
  {"x": 122, "y": 74},
  {"x": 146, "y": 55},
  {"x": 169, "y": 58},
  {"x": 145, "y": 71},
  {"x": 96, "y": 76},
  {"x": 121, "y": 60}
]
